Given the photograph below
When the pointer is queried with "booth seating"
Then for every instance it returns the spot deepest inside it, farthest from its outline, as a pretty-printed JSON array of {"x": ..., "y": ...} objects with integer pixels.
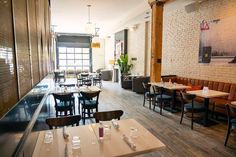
[
  {"x": 106, "y": 75},
  {"x": 137, "y": 83},
  {"x": 217, "y": 105}
]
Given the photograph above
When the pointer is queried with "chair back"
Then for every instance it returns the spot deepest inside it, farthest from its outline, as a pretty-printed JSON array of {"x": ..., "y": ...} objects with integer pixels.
[
  {"x": 231, "y": 110},
  {"x": 90, "y": 95},
  {"x": 157, "y": 90},
  {"x": 67, "y": 85},
  {"x": 186, "y": 96},
  {"x": 64, "y": 97},
  {"x": 146, "y": 87},
  {"x": 84, "y": 75},
  {"x": 87, "y": 82},
  {"x": 107, "y": 115},
  {"x": 63, "y": 121}
]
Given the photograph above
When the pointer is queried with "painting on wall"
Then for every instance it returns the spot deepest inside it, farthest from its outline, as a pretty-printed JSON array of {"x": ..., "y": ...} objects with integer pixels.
[
  {"x": 119, "y": 49},
  {"x": 218, "y": 41}
]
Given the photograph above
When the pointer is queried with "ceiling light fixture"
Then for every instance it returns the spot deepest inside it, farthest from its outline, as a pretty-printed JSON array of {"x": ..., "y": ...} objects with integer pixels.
[{"x": 91, "y": 28}]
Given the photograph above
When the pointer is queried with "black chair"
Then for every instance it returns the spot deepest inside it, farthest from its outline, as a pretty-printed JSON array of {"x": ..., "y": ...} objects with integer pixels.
[
  {"x": 68, "y": 86},
  {"x": 63, "y": 103},
  {"x": 58, "y": 75},
  {"x": 160, "y": 98},
  {"x": 231, "y": 114},
  {"x": 147, "y": 94},
  {"x": 63, "y": 121},
  {"x": 188, "y": 105},
  {"x": 98, "y": 80},
  {"x": 89, "y": 102},
  {"x": 107, "y": 115},
  {"x": 87, "y": 82}
]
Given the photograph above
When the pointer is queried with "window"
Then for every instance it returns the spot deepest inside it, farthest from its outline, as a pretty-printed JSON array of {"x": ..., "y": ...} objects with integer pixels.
[{"x": 70, "y": 58}]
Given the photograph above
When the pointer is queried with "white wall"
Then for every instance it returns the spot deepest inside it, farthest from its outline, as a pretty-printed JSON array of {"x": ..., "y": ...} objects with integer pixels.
[
  {"x": 136, "y": 48},
  {"x": 98, "y": 55},
  {"x": 139, "y": 47},
  {"x": 109, "y": 51}
]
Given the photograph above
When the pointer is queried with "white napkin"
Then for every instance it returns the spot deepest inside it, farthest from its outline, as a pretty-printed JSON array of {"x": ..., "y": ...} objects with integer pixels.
[
  {"x": 129, "y": 142},
  {"x": 115, "y": 124}
]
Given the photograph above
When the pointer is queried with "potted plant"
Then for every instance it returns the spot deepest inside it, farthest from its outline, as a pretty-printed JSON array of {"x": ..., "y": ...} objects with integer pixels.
[{"x": 124, "y": 66}]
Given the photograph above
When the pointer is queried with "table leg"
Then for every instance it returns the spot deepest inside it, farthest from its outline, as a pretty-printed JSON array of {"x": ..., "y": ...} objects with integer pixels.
[
  {"x": 174, "y": 99},
  {"x": 206, "y": 104}
]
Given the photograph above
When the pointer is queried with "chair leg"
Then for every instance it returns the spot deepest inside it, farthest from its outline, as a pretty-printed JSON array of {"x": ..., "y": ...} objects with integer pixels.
[
  {"x": 154, "y": 105},
  {"x": 83, "y": 115},
  {"x": 213, "y": 111},
  {"x": 144, "y": 101},
  {"x": 161, "y": 108},
  {"x": 150, "y": 100},
  {"x": 182, "y": 115},
  {"x": 227, "y": 134},
  {"x": 79, "y": 105},
  {"x": 192, "y": 121}
]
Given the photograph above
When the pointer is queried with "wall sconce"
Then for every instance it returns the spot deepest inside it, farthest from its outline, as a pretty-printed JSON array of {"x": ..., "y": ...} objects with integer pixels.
[
  {"x": 134, "y": 27},
  {"x": 111, "y": 61},
  {"x": 95, "y": 45}
]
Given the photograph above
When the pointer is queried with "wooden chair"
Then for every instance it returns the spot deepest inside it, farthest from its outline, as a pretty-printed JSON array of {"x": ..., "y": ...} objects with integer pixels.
[
  {"x": 89, "y": 102},
  {"x": 231, "y": 114},
  {"x": 63, "y": 103},
  {"x": 188, "y": 105},
  {"x": 63, "y": 121},
  {"x": 160, "y": 98},
  {"x": 147, "y": 94},
  {"x": 107, "y": 115}
]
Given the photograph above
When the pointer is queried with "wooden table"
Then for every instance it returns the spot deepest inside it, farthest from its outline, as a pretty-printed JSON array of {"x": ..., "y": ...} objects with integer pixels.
[
  {"x": 207, "y": 96},
  {"x": 173, "y": 87},
  {"x": 111, "y": 145},
  {"x": 75, "y": 89}
]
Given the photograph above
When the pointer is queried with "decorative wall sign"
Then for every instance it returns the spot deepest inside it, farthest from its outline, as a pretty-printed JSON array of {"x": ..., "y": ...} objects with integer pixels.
[{"x": 218, "y": 40}]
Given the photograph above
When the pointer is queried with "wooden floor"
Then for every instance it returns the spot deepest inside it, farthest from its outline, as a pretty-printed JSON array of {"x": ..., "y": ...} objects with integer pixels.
[{"x": 179, "y": 139}]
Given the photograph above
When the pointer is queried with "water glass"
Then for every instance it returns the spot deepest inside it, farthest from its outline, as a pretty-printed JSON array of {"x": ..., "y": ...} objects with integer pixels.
[
  {"x": 75, "y": 142},
  {"x": 133, "y": 132},
  {"x": 48, "y": 138},
  {"x": 107, "y": 129}
]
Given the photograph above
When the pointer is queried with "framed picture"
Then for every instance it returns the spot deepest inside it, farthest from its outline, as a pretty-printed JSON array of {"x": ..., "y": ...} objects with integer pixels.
[{"x": 218, "y": 40}]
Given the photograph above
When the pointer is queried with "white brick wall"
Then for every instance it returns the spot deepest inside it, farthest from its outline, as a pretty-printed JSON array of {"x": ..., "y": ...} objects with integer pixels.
[{"x": 181, "y": 41}]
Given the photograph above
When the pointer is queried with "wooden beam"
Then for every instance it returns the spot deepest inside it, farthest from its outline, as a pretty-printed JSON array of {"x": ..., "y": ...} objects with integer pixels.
[{"x": 156, "y": 35}]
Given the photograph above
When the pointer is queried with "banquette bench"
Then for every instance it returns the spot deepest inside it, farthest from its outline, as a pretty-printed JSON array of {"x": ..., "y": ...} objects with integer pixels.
[{"x": 216, "y": 104}]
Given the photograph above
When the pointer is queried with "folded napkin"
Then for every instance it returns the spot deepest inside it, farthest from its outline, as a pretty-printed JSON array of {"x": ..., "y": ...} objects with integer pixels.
[
  {"x": 115, "y": 124},
  {"x": 65, "y": 134},
  {"x": 129, "y": 142}
]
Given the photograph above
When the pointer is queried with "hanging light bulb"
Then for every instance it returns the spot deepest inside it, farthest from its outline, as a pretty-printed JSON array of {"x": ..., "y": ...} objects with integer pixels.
[{"x": 89, "y": 27}]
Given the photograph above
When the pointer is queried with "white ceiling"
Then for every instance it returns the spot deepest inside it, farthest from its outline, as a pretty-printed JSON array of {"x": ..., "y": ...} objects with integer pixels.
[{"x": 109, "y": 15}]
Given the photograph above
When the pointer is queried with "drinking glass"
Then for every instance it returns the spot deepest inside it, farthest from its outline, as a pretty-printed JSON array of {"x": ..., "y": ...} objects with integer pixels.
[
  {"x": 75, "y": 142},
  {"x": 133, "y": 132},
  {"x": 48, "y": 138},
  {"x": 107, "y": 129}
]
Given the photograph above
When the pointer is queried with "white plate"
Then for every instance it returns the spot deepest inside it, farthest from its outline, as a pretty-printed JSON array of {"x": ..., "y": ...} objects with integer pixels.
[{"x": 233, "y": 102}]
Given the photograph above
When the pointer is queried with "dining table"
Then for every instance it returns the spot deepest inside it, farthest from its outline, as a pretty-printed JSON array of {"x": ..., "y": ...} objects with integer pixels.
[
  {"x": 74, "y": 89},
  {"x": 118, "y": 142},
  {"x": 173, "y": 87},
  {"x": 207, "y": 94}
]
